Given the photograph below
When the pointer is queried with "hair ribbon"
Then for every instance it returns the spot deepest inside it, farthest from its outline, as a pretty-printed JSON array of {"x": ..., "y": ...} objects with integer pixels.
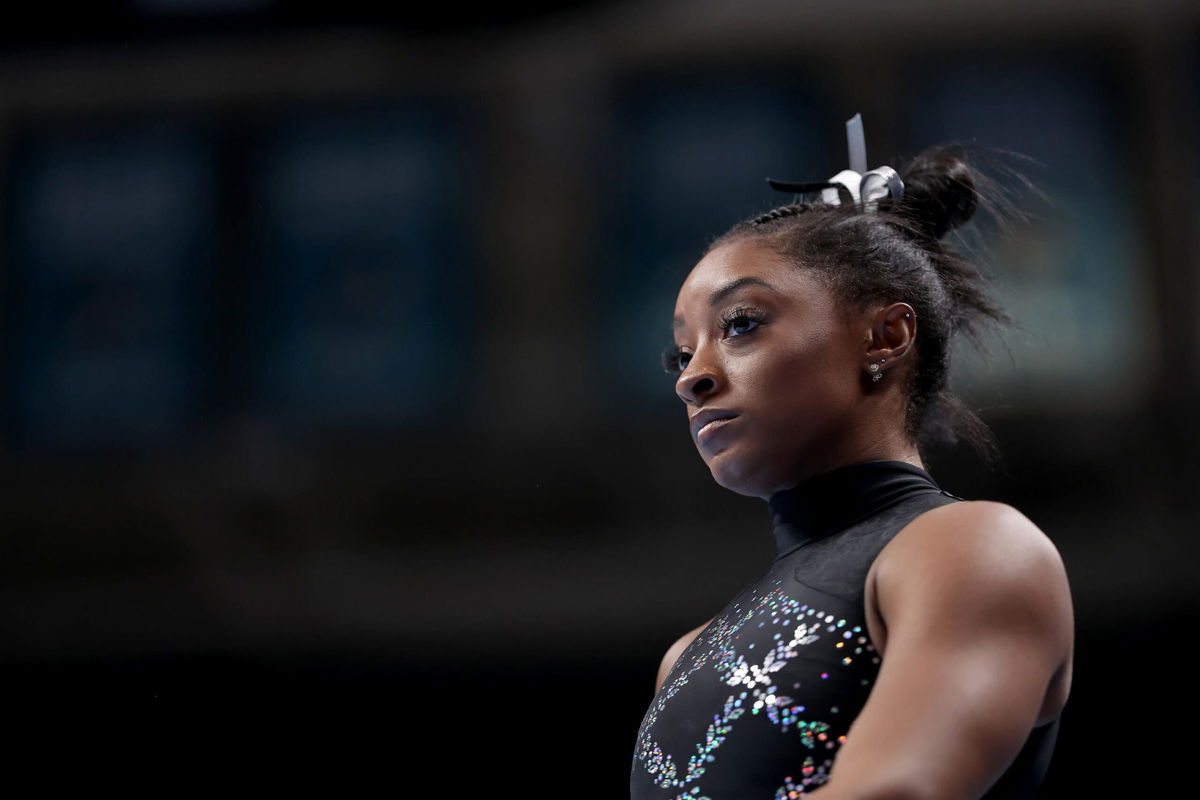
[{"x": 857, "y": 185}]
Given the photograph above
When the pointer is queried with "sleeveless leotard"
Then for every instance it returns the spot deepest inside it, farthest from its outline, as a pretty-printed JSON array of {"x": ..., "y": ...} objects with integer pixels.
[{"x": 759, "y": 703}]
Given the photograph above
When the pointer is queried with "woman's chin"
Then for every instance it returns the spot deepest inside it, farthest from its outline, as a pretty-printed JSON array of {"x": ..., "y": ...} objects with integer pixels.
[{"x": 731, "y": 473}]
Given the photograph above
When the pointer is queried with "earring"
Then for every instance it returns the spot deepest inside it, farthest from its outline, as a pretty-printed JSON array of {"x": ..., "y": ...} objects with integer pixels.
[{"x": 875, "y": 369}]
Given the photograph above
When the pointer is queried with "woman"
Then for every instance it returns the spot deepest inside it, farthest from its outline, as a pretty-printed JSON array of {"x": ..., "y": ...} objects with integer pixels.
[{"x": 905, "y": 642}]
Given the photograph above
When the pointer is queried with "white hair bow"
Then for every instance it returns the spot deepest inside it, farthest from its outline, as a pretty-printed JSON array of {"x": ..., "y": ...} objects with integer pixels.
[{"x": 856, "y": 185}]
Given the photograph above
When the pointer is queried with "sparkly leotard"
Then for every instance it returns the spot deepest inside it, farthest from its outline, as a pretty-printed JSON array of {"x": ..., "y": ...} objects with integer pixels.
[{"x": 759, "y": 703}]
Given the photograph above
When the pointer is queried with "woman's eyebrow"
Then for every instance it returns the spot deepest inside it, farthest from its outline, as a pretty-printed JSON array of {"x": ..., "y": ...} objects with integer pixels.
[{"x": 726, "y": 290}]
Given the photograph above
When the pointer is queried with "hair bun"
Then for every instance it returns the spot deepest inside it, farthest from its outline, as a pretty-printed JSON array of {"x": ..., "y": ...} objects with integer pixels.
[{"x": 939, "y": 190}]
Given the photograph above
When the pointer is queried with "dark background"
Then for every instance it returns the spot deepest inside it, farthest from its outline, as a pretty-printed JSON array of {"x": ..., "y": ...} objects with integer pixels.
[{"x": 330, "y": 345}]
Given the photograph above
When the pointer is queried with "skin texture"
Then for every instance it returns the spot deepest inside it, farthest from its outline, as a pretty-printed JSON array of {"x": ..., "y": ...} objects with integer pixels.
[{"x": 968, "y": 605}]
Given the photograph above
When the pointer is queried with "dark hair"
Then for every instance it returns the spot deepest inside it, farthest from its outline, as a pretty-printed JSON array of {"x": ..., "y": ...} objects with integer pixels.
[{"x": 896, "y": 253}]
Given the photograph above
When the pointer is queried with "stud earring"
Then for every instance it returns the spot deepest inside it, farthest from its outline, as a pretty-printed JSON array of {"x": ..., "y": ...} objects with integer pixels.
[{"x": 875, "y": 369}]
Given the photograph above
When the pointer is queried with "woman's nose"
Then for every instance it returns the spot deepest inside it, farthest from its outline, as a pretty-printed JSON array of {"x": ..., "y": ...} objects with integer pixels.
[{"x": 699, "y": 380}]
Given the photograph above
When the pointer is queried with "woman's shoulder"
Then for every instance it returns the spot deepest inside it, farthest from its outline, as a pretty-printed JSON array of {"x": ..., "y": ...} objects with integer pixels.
[
  {"x": 981, "y": 553},
  {"x": 971, "y": 528}
]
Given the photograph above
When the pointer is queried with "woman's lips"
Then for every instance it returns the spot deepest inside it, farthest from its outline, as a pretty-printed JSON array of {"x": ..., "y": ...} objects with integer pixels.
[{"x": 711, "y": 429}]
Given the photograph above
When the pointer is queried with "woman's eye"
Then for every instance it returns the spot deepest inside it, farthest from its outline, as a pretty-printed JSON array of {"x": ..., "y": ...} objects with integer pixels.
[
  {"x": 736, "y": 320},
  {"x": 673, "y": 360},
  {"x": 740, "y": 321}
]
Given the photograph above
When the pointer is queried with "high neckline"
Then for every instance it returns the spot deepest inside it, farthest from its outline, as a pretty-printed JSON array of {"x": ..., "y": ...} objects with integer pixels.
[{"x": 825, "y": 503}]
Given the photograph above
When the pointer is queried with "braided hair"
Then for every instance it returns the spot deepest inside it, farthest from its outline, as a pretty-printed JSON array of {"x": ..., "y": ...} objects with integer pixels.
[{"x": 896, "y": 253}]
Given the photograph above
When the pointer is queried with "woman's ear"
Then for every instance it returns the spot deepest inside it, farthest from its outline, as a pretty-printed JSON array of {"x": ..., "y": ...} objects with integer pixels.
[{"x": 893, "y": 331}]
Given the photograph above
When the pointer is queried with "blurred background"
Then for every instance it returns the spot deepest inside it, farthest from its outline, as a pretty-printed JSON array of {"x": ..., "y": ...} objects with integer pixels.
[{"x": 331, "y": 333}]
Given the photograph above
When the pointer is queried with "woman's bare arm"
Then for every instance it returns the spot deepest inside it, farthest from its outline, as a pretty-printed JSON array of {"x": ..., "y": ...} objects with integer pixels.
[{"x": 977, "y": 611}]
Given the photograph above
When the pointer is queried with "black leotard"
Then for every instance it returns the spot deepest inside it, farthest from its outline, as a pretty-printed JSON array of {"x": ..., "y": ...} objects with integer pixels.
[{"x": 759, "y": 703}]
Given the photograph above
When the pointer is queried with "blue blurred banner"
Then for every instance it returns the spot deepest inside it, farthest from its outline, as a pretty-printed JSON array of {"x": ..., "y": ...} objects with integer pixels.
[{"x": 111, "y": 243}]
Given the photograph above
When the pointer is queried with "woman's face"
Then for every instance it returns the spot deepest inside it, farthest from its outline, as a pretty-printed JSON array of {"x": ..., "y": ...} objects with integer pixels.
[{"x": 762, "y": 340}]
